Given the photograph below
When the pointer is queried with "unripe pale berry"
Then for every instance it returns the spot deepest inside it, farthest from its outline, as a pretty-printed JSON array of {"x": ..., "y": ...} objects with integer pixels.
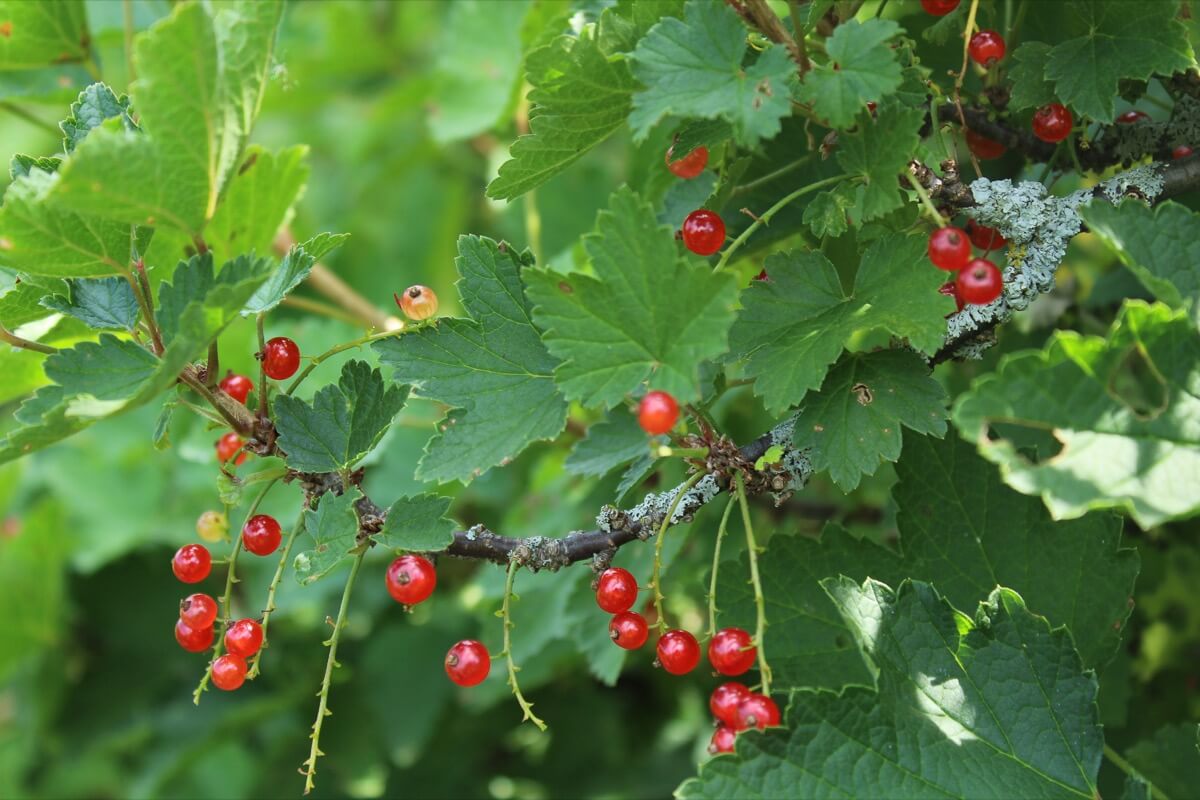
[
  {"x": 418, "y": 302},
  {"x": 211, "y": 526}
]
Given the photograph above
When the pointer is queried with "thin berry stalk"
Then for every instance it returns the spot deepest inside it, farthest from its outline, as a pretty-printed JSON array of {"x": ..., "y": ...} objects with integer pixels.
[
  {"x": 760, "y": 605},
  {"x": 513, "y": 669},
  {"x": 253, "y": 672},
  {"x": 656, "y": 574},
  {"x": 712, "y": 583}
]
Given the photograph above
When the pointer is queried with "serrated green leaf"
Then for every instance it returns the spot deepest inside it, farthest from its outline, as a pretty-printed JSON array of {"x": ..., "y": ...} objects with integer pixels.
[
  {"x": 622, "y": 26},
  {"x": 195, "y": 281},
  {"x": 292, "y": 271},
  {"x": 862, "y": 67},
  {"x": 615, "y": 440},
  {"x": 1126, "y": 410},
  {"x": 258, "y": 201},
  {"x": 878, "y": 152},
  {"x": 341, "y": 424},
  {"x": 710, "y": 133},
  {"x": 637, "y": 472},
  {"x": 95, "y": 104},
  {"x": 102, "y": 303},
  {"x": 43, "y": 420},
  {"x": 795, "y": 325},
  {"x": 694, "y": 68},
  {"x": 418, "y": 524},
  {"x": 826, "y": 214},
  {"x": 684, "y": 197},
  {"x": 1169, "y": 759},
  {"x": 853, "y": 423},
  {"x": 948, "y": 26},
  {"x": 1030, "y": 87},
  {"x": 107, "y": 369},
  {"x": 492, "y": 369},
  {"x": 646, "y": 315},
  {"x": 21, "y": 300},
  {"x": 333, "y": 527},
  {"x": 40, "y": 34},
  {"x": 21, "y": 164}
]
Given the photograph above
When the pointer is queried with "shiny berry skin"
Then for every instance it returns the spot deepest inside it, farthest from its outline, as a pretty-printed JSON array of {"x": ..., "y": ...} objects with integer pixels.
[
  {"x": 949, "y": 248},
  {"x": 1183, "y": 151},
  {"x": 1132, "y": 116},
  {"x": 983, "y": 147},
  {"x": 725, "y": 700},
  {"x": 984, "y": 237},
  {"x": 243, "y": 638},
  {"x": 193, "y": 639},
  {"x": 237, "y": 386},
  {"x": 229, "y": 444},
  {"x": 979, "y": 282},
  {"x": 986, "y": 48},
  {"x": 1052, "y": 122},
  {"x": 939, "y": 8},
  {"x": 951, "y": 290},
  {"x": 468, "y": 663},
  {"x": 757, "y": 711},
  {"x": 211, "y": 526},
  {"x": 191, "y": 563},
  {"x": 678, "y": 652},
  {"x": 722, "y": 740},
  {"x": 281, "y": 358},
  {"x": 690, "y": 165},
  {"x": 411, "y": 579},
  {"x": 731, "y": 651},
  {"x": 229, "y": 672},
  {"x": 261, "y": 535},
  {"x": 418, "y": 302},
  {"x": 628, "y": 630},
  {"x": 703, "y": 232},
  {"x": 617, "y": 590},
  {"x": 657, "y": 413},
  {"x": 198, "y": 611}
]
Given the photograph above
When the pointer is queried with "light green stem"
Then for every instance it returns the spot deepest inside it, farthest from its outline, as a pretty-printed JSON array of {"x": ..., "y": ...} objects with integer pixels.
[
  {"x": 253, "y": 672},
  {"x": 513, "y": 669},
  {"x": 712, "y": 583},
  {"x": 736, "y": 244},
  {"x": 333, "y": 351},
  {"x": 655, "y": 577},
  {"x": 926, "y": 200},
  {"x": 760, "y": 606},
  {"x": 1123, "y": 765}
]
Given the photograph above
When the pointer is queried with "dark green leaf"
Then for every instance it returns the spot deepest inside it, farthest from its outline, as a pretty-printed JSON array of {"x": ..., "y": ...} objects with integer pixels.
[
  {"x": 333, "y": 527},
  {"x": 96, "y": 104},
  {"x": 1169, "y": 759},
  {"x": 292, "y": 271},
  {"x": 615, "y": 440},
  {"x": 418, "y": 524},
  {"x": 103, "y": 303},
  {"x": 109, "y": 369},
  {"x": 1030, "y": 87},
  {"x": 862, "y": 67},
  {"x": 878, "y": 152}
]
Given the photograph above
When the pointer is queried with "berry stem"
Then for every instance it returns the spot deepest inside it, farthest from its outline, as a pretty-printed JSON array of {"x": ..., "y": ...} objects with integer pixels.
[
  {"x": 765, "y": 218},
  {"x": 926, "y": 200},
  {"x": 242, "y": 423},
  {"x": 771, "y": 176},
  {"x": 263, "y": 386},
  {"x": 310, "y": 766},
  {"x": 1120, "y": 763},
  {"x": 213, "y": 367},
  {"x": 333, "y": 351},
  {"x": 962, "y": 76},
  {"x": 656, "y": 574},
  {"x": 513, "y": 669},
  {"x": 712, "y": 583},
  {"x": 665, "y": 451},
  {"x": 270, "y": 609},
  {"x": 760, "y": 606},
  {"x": 25, "y": 344}
]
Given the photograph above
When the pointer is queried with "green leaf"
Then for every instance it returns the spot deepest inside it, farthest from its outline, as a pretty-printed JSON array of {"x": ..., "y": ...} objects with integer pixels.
[
  {"x": 341, "y": 424},
  {"x": 333, "y": 527},
  {"x": 195, "y": 282},
  {"x": 107, "y": 369},
  {"x": 42, "y": 421},
  {"x": 862, "y": 67},
  {"x": 613, "y": 441},
  {"x": 96, "y": 104},
  {"x": 1030, "y": 87},
  {"x": 826, "y": 214},
  {"x": 22, "y": 164},
  {"x": 292, "y": 271},
  {"x": 694, "y": 68},
  {"x": 795, "y": 325},
  {"x": 103, "y": 303},
  {"x": 258, "y": 201},
  {"x": 878, "y": 152},
  {"x": 1126, "y": 410},
  {"x": 1114, "y": 40},
  {"x": 418, "y": 524},
  {"x": 21, "y": 300},
  {"x": 40, "y": 34},
  {"x": 996, "y": 706},
  {"x": 33, "y": 574},
  {"x": 853, "y": 423},
  {"x": 492, "y": 369},
  {"x": 646, "y": 314},
  {"x": 1169, "y": 759}
]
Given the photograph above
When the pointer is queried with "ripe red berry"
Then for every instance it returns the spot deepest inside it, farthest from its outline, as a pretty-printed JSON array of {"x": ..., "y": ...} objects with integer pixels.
[
  {"x": 722, "y": 740},
  {"x": 951, "y": 290},
  {"x": 678, "y": 652},
  {"x": 617, "y": 590},
  {"x": 762, "y": 276},
  {"x": 657, "y": 413},
  {"x": 1132, "y": 116},
  {"x": 725, "y": 700},
  {"x": 468, "y": 663},
  {"x": 986, "y": 48},
  {"x": 243, "y": 638},
  {"x": 628, "y": 630},
  {"x": 281, "y": 358},
  {"x": 237, "y": 386},
  {"x": 731, "y": 651},
  {"x": 690, "y": 165},
  {"x": 984, "y": 147},
  {"x": 198, "y": 611},
  {"x": 191, "y": 563},
  {"x": 1052, "y": 122},
  {"x": 410, "y": 579},
  {"x": 229, "y": 444},
  {"x": 939, "y": 8},
  {"x": 949, "y": 248},
  {"x": 418, "y": 302},
  {"x": 261, "y": 535},
  {"x": 1183, "y": 151},
  {"x": 193, "y": 639},
  {"x": 703, "y": 232},
  {"x": 757, "y": 711},
  {"x": 984, "y": 237},
  {"x": 979, "y": 282},
  {"x": 229, "y": 672}
]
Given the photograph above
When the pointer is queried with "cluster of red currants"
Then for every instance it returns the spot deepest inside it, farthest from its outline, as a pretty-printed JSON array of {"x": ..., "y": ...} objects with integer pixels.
[
  {"x": 280, "y": 359},
  {"x": 735, "y": 709},
  {"x": 979, "y": 280},
  {"x": 703, "y": 231}
]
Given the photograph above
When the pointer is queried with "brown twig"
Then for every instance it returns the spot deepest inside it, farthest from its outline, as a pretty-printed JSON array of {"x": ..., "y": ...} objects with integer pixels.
[{"x": 325, "y": 281}]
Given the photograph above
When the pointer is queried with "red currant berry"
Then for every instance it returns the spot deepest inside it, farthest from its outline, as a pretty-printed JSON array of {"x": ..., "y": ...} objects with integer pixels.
[
  {"x": 468, "y": 663},
  {"x": 418, "y": 302},
  {"x": 722, "y": 740},
  {"x": 193, "y": 639},
  {"x": 984, "y": 237},
  {"x": 950, "y": 289},
  {"x": 237, "y": 386},
  {"x": 939, "y": 8},
  {"x": 725, "y": 700},
  {"x": 617, "y": 590},
  {"x": 949, "y": 248},
  {"x": 244, "y": 637},
  {"x": 1183, "y": 151},
  {"x": 229, "y": 444},
  {"x": 628, "y": 630},
  {"x": 762, "y": 276},
  {"x": 410, "y": 579},
  {"x": 678, "y": 652},
  {"x": 979, "y": 282},
  {"x": 986, "y": 48},
  {"x": 757, "y": 711},
  {"x": 261, "y": 535},
  {"x": 198, "y": 611},
  {"x": 731, "y": 651},
  {"x": 983, "y": 147},
  {"x": 1052, "y": 122},
  {"x": 703, "y": 232},
  {"x": 229, "y": 672},
  {"x": 871, "y": 106},
  {"x": 657, "y": 413},
  {"x": 690, "y": 165},
  {"x": 281, "y": 358},
  {"x": 191, "y": 563},
  {"x": 1132, "y": 116}
]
